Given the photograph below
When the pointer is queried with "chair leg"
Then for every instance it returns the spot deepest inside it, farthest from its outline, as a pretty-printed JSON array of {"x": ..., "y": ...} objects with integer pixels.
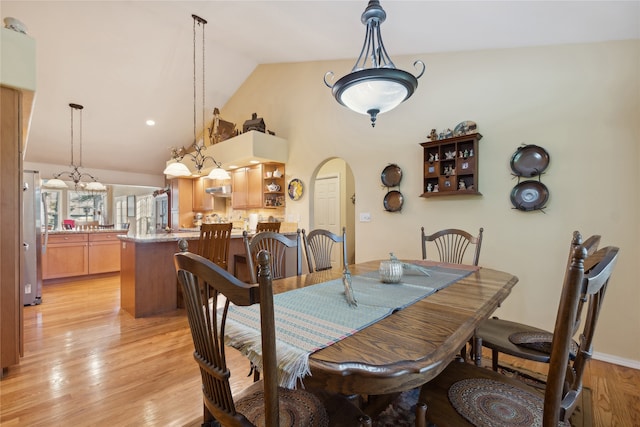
[
  {"x": 421, "y": 414},
  {"x": 477, "y": 350},
  {"x": 494, "y": 360}
]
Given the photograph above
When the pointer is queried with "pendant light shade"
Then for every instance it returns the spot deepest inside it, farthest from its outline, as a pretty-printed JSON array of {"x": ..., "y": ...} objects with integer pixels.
[
  {"x": 379, "y": 87},
  {"x": 218, "y": 173},
  {"x": 177, "y": 169},
  {"x": 56, "y": 183}
]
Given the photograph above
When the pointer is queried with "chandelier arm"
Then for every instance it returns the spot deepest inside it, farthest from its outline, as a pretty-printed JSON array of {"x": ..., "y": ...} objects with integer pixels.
[
  {"x": 424, "y": 67},
  {"x": 384, "y": 60},
  {"x": 328, "y": 74}
]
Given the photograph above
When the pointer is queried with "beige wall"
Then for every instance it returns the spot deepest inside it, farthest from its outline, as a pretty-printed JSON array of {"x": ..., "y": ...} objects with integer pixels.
[{"x": 580, "y": 102}]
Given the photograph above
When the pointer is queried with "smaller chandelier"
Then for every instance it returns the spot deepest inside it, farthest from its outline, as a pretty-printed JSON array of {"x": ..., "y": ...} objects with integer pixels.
[
  {"x": 74, "y": 174},
  {"x": 177, "y": 168},
  {"x": 381, "y": 87}
]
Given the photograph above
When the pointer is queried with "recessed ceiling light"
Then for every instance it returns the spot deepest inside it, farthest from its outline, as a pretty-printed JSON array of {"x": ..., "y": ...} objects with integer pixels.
[
  {"x": 254, "y": 162},
  {"x": 233, "y": 167},
  {"x": 151, "y": 122}
]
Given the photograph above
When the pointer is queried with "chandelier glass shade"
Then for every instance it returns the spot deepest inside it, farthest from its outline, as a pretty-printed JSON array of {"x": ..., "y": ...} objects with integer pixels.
[
  {"x": 75, "y": 174},
  {"x": 177, "y": 168},
  {"x": 374, "y": 85}
]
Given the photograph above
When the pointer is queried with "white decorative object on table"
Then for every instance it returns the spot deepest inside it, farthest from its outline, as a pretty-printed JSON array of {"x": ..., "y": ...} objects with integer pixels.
[{"x": 390, "y": 270}]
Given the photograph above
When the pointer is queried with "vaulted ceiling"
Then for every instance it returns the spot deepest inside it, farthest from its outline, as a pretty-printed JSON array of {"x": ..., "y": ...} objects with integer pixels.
[{"x": 129, "y": 61}]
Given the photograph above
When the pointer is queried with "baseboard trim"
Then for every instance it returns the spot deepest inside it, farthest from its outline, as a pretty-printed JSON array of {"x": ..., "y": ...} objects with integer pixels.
[{"x": 629, "y": 363}]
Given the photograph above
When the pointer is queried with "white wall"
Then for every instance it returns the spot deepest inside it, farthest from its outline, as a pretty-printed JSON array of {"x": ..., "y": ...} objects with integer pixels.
[{"x": 580, "y": 102}]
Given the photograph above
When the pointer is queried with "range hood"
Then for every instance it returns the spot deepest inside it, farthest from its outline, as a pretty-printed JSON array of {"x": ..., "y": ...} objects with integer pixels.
[{"x": 219, "y": 191}]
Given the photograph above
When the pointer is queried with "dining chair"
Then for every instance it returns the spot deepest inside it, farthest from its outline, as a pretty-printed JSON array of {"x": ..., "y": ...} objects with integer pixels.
[
  {"x": 268, "y": 226},
  {"x": 276, "y": 244},
  {"x": 452, "y": 244},
  {"x": 464, "y": 394},
  {"x": 240, "y": 260},
  {"x": 526, "y": 341},
  {"x": 318, "y": 245},
  {"x": 214, "y": 243},
  {"x": 209, "y": 291}
]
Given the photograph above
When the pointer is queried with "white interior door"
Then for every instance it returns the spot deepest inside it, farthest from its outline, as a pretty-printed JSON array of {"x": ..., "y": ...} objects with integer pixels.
[{"x": 326, "y": 211}]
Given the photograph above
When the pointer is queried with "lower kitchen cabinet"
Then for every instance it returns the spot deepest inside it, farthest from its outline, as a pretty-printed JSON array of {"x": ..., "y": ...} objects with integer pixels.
[
  {"x": 66, "y": 255},
  {"x": 79, "y": 254},
  {"x": 104, "y": 253}
]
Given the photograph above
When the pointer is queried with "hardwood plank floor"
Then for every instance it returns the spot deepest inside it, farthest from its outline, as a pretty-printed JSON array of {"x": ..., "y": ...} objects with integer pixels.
[{"x": 88, "y": 363}]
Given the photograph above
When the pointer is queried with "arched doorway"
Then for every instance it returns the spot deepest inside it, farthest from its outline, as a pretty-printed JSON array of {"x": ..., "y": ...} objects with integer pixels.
[{"x": 333, "y": 201}]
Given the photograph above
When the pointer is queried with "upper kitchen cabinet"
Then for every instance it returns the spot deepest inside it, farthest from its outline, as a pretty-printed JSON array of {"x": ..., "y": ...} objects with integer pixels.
[
  {"x": 246, "y": 187},
  {"x": 181, "y": 203},
  {"x": 258, "y": 186},
  {"x": 202, "y": 201},
  {"x": 273, "y": 185}
]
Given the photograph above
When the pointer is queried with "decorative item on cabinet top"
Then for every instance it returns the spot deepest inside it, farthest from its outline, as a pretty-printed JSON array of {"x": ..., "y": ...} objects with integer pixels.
[
  {"x": 391, "y": 176},
  {"x": 529, "y": 161}
]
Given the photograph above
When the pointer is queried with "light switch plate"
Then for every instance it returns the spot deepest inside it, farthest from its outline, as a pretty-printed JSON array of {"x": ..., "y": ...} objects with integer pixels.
[{"x": 365, "y": 217}]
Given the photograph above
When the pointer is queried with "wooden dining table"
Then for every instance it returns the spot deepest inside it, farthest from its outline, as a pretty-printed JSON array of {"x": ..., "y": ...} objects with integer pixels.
[{"x": 411, "y": 346}]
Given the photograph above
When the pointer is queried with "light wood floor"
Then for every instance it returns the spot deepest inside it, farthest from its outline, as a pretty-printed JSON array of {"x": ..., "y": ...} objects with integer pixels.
[{"x": 88, "y": 363}]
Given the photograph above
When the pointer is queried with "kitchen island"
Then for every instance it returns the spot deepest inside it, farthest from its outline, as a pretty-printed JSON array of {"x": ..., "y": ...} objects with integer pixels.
[{"x": 148, "y": 283}]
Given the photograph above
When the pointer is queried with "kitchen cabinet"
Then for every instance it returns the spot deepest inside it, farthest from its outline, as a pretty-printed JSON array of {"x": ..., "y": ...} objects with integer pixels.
[
  {"x": 202, "y": 201},
  {"x": 67, "y": 255},
  {"x": 104, "y": 253},
  {"x": 246, "y": 186},
  {"x": 181, "y": 203},
  {"x": 259, "y": 186},
  {"x": 451, "y": 166},
  {"x": 273, "y": 185}
]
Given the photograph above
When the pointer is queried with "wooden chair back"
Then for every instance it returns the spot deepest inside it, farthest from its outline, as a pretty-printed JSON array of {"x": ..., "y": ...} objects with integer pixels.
[
  {"x": 268, "y": 226},
  {"x": 276, "y": 245},
  {"x": 564, "y": 381},
  {"x": 452, "y": 245},
  {"x": 214, "y": 243},
  {"x": 203, "y": 283},
  {"x": 318, "y": 246}
]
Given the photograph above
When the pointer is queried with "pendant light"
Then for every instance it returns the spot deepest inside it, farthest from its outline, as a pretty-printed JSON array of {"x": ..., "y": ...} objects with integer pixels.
[
  {"x": 75, "y": 175},
  {"x": 381, "y": 87},
  {"x": 177, "y": 168}
]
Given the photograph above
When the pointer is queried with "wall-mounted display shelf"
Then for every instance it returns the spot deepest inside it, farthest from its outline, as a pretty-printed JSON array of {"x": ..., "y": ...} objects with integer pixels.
[{"x": 451, "y": 166}]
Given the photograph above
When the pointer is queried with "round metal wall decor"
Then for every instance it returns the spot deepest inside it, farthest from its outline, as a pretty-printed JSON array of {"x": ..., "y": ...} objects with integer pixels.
[
  {"x": 391, "y": 175},
  {"x": 529, "y": 195},
  {"x": 529, "y": 160},
  {"x": 393, "y": 201}
]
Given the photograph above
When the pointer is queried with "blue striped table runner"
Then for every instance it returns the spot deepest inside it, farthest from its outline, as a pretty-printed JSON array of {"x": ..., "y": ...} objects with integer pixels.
[{"x": 311, "y": 318}]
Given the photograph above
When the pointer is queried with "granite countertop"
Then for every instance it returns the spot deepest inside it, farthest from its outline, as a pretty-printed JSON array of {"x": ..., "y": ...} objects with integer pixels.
[
  {"x": 97, "y": 230},
  {"x": 169, "y": 237}
]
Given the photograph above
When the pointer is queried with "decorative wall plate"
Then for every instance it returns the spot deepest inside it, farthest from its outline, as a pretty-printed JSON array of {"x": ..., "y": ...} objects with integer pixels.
[
  {"x": 529, "y": 195},
  {"x": 296, "y": 189},
  {"x": 393, "y": 201},
  {"x": 529, "y": 160},
  {"x": 391, "y": 176}
]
